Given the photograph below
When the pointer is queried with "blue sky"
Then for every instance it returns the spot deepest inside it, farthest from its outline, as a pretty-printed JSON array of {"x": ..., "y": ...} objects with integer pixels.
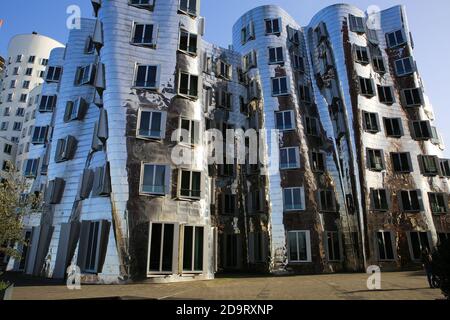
[{"x": 428, "y": 22}]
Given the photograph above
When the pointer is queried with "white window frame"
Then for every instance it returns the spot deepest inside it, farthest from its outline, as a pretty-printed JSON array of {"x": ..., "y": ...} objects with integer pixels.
[
  {"x": 162, "y": 133},
  {"x": 308, "y": 246},
  {"x": 190, "y": 197},
  {"x": 204, "y": 249},
  {"x": 272, "y": 31},
  {"x": 291, "y": 207},
  {"x": 373, "y": 153},
  {"x": 166, "y": 175},
  {"x": 285, "y": 128},
  {"x": 392, "y": 244},
  {"x": 145, "y": 26},
  {"x": 157, "y": 76},
  {"x": 188, "y": 4},
  {"x": 191, "y": 135},
  {"x": 382, "y": 94},
  {"x": 406, "y": 72},
  {"x": 278, "y": 59},
  {"x": 143, "y": 4},
  {"x": 188, "y": 95},
  {"x": 359, "y": 52},
  {"x": 279, "y": 79},
  {"x": 291, "y": 165},
  {"x": 356, "y": 24},
  {"x": 364, "y": 90},
  {"x": 189, "y": 34}
]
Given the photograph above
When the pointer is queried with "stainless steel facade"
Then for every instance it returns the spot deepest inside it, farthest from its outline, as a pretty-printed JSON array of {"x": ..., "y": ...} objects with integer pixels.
[{"x": 119, "y": 205}]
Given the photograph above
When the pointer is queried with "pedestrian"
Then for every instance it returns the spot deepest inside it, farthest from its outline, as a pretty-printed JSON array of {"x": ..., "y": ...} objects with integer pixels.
[{"x": 426, "y": 262}]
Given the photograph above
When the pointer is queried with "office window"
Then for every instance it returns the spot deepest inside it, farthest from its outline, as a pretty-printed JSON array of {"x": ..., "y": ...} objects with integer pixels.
[
  {"x": 16, "y": 71},
  {"x": 401, "y": 162},
  {"x": 412, "y": 97},
  {"x": 327, "y": 201},
  {"x": 188, "y": 85},
  {"x": 299, "y": 246},
  {"x": 48, "y": 103},
  {"x": 102, "y": 181},
  {"x": 188, "y": 42},
  {"x": 189, "y": 7},
  {"x": 85, "y": 75},
  {"x": 7, "y": 148},
  {"x": 144, "y": 34},
  {"x": 429, "y": 165},
  {"x": 421, "y": 130},
  {"x": 4, "y": 126},
  {"x": 224, "y": 70},
  {"x": 189, "y": 131},
  {"x": 404, "y": 66},
  {"x": 147, "y": 77},
  {"x": 44, "y": 62},
  {"x": 26, "y": 84},
  {"x": 250, "y": 60},
  {"x": 31, "y": 168},
  {"x": 418, "y": 241},
  {"x": 190, "y": 184},
  {"x": 361, "y": 54},
  {"x": 393, "y": 127},
  {"x": 438, "y": 202},
  {"x": 65, "y": 149},
  {"x": 146, "y": 4},
  {"x": 31, "y": 59},
  {"x": 23, "y": 97},
  {"x": 373, "y": 36},
  {"x": 411, "y": 201},
  {"x": 19, "y": 58},
  {"x": 284, "y": 120},
  {"x": 379, "y": 199},
  {"x": 17, "y": 126},
  {"x": 7, "y": 112},
  {"x": 161, "y": 247},
  {"x": 224, "y": 99},
  {"x": 248, "y": 33},
  {"x": 386, "y": 94},
  {"x": 40, "y": 135},
  {"x": 152, "y": 124},
  {"x": 396, "y": 38},
  {"x": 193, "y": 248},
  {"x": 75, "y": 110},
  {"x": 333, "y": 246},
  {"x": 312, "y": 126},
  {"x": 371, "y": 122},
  {"x": 294, "y": 35},
  {"x": 304, "y": 93},
  {"x": 10, "y": 97},
  {"x": 378, "y": 64},
  {"x": 318, "y": 162},
  {"x": 366, "y": 87},
  {"x": 298, "y": 62},
  {"x": 276, "y": 55},
  {"x": 29, "y": 71},
  {"x": 92, "y": 246},
  {"x": 385, "y": 246},
  {"x": 445, "y": 167},
  {"x": 20, "y": 112},
  {"x": 357, "y": 24},
  {"x": 273, "y": 26},
  {"x": 154, "y": 179},
  {"x": 229, "y": 203},
  {"x": 12, "y": 84},
  {"x": 294, "y": 199},
  {"x": 279, "y": 86},
  {"x": 375, "y": 159}
]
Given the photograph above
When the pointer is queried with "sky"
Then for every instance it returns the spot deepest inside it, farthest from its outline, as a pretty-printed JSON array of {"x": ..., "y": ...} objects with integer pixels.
[{"x": 428, "y": 22}]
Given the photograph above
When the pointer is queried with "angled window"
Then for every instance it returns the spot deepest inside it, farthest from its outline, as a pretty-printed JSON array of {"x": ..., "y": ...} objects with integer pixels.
[
  {"x": 53, "y": 74},
  {"x": 7, "y": 148},
  {"x": 23, "y": 97},
  {"x": 152, "y": 124},
  {"x": 294, "y": 35},
  {"x": 26, "y": 84},
  {"x": 312, "y": 126},
  {"x": 12, "y": 85},
  {"x": 333, "y": 246},
  {"x": 327, "y": 201},
  {"x": 299, "y": 246},
  {"x": 373, "y": 36},
  {"x": 404, "y": 66},
  {"x": 30, "y": 169},
  {"x": 224, "y": 99},
  {"x": 40, "y": 135},
  {"x": 190, "y": 184},
  {"x": 20, "y": 112},
  {"x": 357, "y": 24},
  {"x": 304, "y": 93},
  {"x": 92, "y": 246},
  {"x": 421, "y": 130},
  {"x": 224, "y": 70},
  {"x": 284, "y": 120},
  {"x": 16, "y": 71},
  {"x": 280, "y": 86},
  {"x": 144, "y": 4},
  {"x": 189, "y": 7},
  {"x": 144, "y": 34},
  {"x": 396, "y": 38},
  {"x": 48, "y": 103},
  {"x": 19, "y": 58},
  {"x": 162, "y": 237},
  {"x": 54, "y": 191},
  {"x": 188, "y": 42},
  {"x": 250, "y": 60},
  {"x": 401, "y": 162},
  {"x": 44, "y": 62},
  {"x": 294, "y": 199},
  {"x": 418, "y": 241},
  {"x": 413, "y": 97},
  {"x": 102, "y": 181},
  {"x": 276, "y": 55},
  {"x": 298, "y": 62},
  {"x": 429, "y": 165},
  {"x": 289, "y": 158},
  {"x": 89, "y": 47},
  {"x": 393, "y": 127},
  {"x": 438, "y": 202},
  {"x": 75, "y": 110},
  {"x": 17, "y": 126},
  {"x": 379, "y": 199},
  {"x": 229, "y": 203},
  {"x": 411, "y": 201},
  {"x": 248, "y": 33},
  {"x": 318, "y": 162},
  {"x": 147, "y": 77},
  {"x": 375, "y": 159},
  {"x": 385, "y": 246},
  {"x": 85, "y": 75},
  {"x": 189, "y": 131},
  {"x": 193, "y": 249},
  {"x": 366, "y": 87},
  {"x": 371, "y": 122},
  {"x": 378, "y": 64},
  {"x": 66, "y": 149},
  {"x": 321, "y": 32},
  {"x": 29, "y": 72},
  {"x": 188, "y": 85},
  {"x": 445, "y": 167},
  {"x": 361, "y": 54},
  {"x": 154, "y": 179},
  {"x": 273, "y": 26},
  {"x": 386, "y": 94}
]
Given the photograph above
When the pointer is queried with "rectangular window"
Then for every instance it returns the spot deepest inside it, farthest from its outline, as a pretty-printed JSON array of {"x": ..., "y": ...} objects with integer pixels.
[
  {"x": 357, "y": 24},
  {"x": 248, "y": 33},
  {"x": 284, "y": 120},
  {"x": 327, "y": 202},
  {"x": 371, "y": 122},
  {"x": 16, "y": 71},
  {"x": 396, "y": 38},
  {"x": 48, "y": 103},
  {"x": 312, "y": 126},
  {"x": 152, "y": 124},
  {"x": 379, "y": 199},
  {"x": 279, "y": 86},
  {"x": 361, "y": 54},
  {"x": 333, "y": 246},
  {"x": 188, "y": 85},
  {"x": 445, "y": 167},
  {"x": 188, "y": 42},
  {"x": 145, "y": 4},
  {"x": 31, "y": 59},
  {"x": 375, "y": 160},
  {"x": 299, "y": 246},
  {"x": 298, "y": 62},
  {"x": 276, "y": 55},
  {"x": 429, "y": 165},
  {"x": 31, "y": 168},
  {"x": 250, "y": 60},
  {"x": 19, "y": 58},
  {"x": 393, "y": 127},
  {"x": 418, "y": 241},
  {"x": 10, "y": 97},
  {"x": 44, "y": 62},
  {"x": 373, "y": 36},
  {"x": 294, "y": 35},
  {"x": 144, "y": 34},
  {"x": 438, "y": 202},
  {"x": 20, "y": 112},
  {"x": 12, "y": 85},
  {"x": 29, "y": 72},
  {"x": 366, "y": 87},
  {"x": 404, "y": 66},
  {"x": 411, "y": 201},
  {"x": 7, "y": 148},
  {"x": 273, "y": 26},
  {"x": 193, "y": 248},
  {"x": 65, "y": 149},
  {"x": 190, "y": 184},
  {"x": 421, "y": 130},
  {"x": 378, "y": 64},
  {"x": 161, "y": 248},
  {"x": 147, "y": 77},
  {"x": 23, "y": 97},
  {"x": 189, "y": 7},
  {"x": 294, "y": 199},
  {"x": 224, "y": 99},
  {"x": 53, "y": 74},
  {"x": 386, "y": 94},
  {"x": 75, "y": 110},
  {"x": 229, "y": 203},
  {"x": 224, "y": 70},
  {"x": 304, "y": 93},
  {"x": 17, "y": 126},
  {"x": 289, "y": 158},
  {"x": 385, "y": 246},
  {"x": 26, "y": 84},
  {"x": 85, "y": 75},
  {"x": 39, "y": 135},
  {"x": 189, "y": 131},
  {"x": 401, "y": 162},
  {"x": 154, "y": 179},
  {"x": 4, "y": 126},
  {"x": 412, "y": 97},
  {"x": 318, "y": 162}
]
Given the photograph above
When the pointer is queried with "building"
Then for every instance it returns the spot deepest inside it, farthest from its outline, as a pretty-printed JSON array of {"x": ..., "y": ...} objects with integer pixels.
[
  {"x": 349, "y": 169},
  {"x": 24, "y": 70}
]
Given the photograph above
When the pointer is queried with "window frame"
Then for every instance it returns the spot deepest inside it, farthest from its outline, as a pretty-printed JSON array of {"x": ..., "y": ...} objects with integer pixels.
[
  {"x": 330, "y": 252},
  {"x": 189, "y": 94},
  {"x": 406, "y": 72},
  {"x": 193, "y": 270},
  {"x": 397, "y": 43},
  {"x": 307, "y": 234},
  {"x": 364, "y": 88},
  {"x": 191, "y": 190},
  {"x": 163, "y": 123},
  {"x": 292, "y": 207},
  {"x": 194, "y": 139},
  {"x": 376, "y": 198},
  {"x": 392, "y": 239},
  {"x": 189, "y": 39},
  {"x": 157, "y": 76},
  {"x": 279, "y": 80},
  {"x": 285, "y": 128},
  {"x": 278, "y": 59},
  {"x": 389, "y": 126},
  {"x": 154, "y": 33},
  {"x": 272, "y": 31},
  {"x": 166, "y": 179},
  {"x": 174, "y": 247},
  {"x": 444, "y": 210},
  {"x": 374, "y": 154}
]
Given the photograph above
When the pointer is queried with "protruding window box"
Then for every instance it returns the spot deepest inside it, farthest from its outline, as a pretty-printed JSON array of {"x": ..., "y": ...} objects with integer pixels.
[
  {"x": 75, "y": 110},
  {"x": 40, "y": 135},
  {"x": 53, "y": 74},
  {"x": 189, "y": 7},
  {"x": 188, "y": 85},
  {"x": 143, "y": 4},
  {"x": 54, "y": 191},
  {"x": 66, "y": 149},
  {"x": 47, "y": 104},
  {"x": 147, "y": 77},
  {"x": 155, "y": 179},
  {"x": 189, "y": 185},
  {"x": 144, "y": 35},
  {"x": 404, "y": 67},
  {"x": 188, "y": 42},
  {"x": 151, "y": 124}
]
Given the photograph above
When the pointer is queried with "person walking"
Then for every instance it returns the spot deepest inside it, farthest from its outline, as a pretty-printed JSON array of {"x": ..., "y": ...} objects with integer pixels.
[{"x": 427, "y": 265}]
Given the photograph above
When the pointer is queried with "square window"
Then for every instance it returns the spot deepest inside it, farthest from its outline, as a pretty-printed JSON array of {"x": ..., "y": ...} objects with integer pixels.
[
  {"x": 411, "y": 201},
  {"x": 379, "y": 65},
  {"x": 375, "y": 159},
  {"x": 144, "y": 34},
  {"x": 299, "y": 246},
  {"x": 280, "y": 86},
  {"x": 188, "y": 85},
  {"x": 289, "y": 158},
  {"x": 152, "y": 124},
  {"x": 294, "y": 199},
  {"x": 357, "y": 24},
  {"x": 189, "y": 7},
  {"x": 190, "y": 184},
  {"x": 318, "y": 162},
  {"x": 366, "y": 87},
  {"x": 396, "y": 38},
  {"x": 276, "y": 55},
  {"x": 361, "y": 54},
  {"x": 147, "y": 77},
  {"x": 53, "y": 74},
  {"x": 154, "y": 179},
  {"x": 371, "y": 122},
  {"x": 273, "y": 26},
  {"x": 327, "y": 201},
  {"x": 401, "y": 162},
  {"x": 404, "y": 67},
  {"x": 386, "y": 94},
  {"x": 284, "y": 120},
  {"x": 188, "y": 42}
]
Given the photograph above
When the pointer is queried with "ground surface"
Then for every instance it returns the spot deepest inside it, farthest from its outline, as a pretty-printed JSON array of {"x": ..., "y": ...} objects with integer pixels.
[{"x": 394, "y": 286}]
